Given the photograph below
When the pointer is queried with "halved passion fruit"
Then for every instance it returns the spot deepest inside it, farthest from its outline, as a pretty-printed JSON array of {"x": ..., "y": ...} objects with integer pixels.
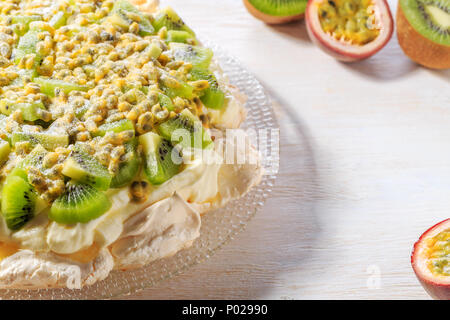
[
  {"x": 430, "y": 260},
  {"x": 349, "y": 30}
]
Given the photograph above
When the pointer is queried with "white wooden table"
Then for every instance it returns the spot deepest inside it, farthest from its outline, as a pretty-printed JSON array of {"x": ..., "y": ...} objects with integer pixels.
[{"x": 365, "y": 169}]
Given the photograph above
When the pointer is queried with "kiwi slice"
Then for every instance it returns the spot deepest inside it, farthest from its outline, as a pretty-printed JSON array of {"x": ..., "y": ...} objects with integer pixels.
[
  {"x": 27, "y": 45},
  {"x": 80, "y": 203},
  {"x": 162, "y": 160},
  {"x": 18, "y": 202},
  {"x": 430, "y": 18},
  {"x": 120, "y": 16},
  {"x": 49, "y": 141},
  {"x": 212, "y": 97},
  {"x": 49, "y": 86},
  {"x": 84, "y": 168},
  {"x": 58, "y": 20},
  {"x": 168, "y": 18},
  {"x": 30, "y": 111},
  {"x": 81, "y": 111},
  {"x": 186, "y": 130},
  {"x": 180, "y": 36},
  {"x": 183, "y": 90},
  {"x": 20, "y": 24},
  {"x": 117, "y": 126},
  {"x": 5, "y": 149},
  {"x": 35, "y": 159},
  {"x": 199, "y": 57},
  {"x": 128, "y": 169},
  {"x": 154, "y": 51},
  {"x": 165, "y": 102}
]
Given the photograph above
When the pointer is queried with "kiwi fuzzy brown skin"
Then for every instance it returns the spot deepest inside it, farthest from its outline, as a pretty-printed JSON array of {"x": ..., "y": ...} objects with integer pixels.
[
  {"x": 436, "y": 288},
  {"x": 271, "y": 19},
  {"x": 318, "y": 36},
  {"x": 418, "y": 48}
]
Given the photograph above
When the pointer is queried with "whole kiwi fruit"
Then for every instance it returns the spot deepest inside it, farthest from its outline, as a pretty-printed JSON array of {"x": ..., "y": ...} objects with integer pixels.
[
  {"x": 276, "y": 11},
  {"x": 423, "y": 31}
]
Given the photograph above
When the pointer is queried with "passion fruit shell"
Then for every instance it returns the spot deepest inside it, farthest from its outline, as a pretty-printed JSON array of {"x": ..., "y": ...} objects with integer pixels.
[
  {"x": 345, "y": 50},
  {"x": 437, "y": 286}
]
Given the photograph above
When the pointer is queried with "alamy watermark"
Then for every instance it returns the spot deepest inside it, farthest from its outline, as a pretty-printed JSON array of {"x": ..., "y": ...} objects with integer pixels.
[{"x": 232, "y": 146}]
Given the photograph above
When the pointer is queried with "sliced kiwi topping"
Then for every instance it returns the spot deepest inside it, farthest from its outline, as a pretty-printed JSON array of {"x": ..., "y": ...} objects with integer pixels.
[
  {"x": 162, "y": 160},
  {"x": 34, "y": 159},
  {"x": 174, "y": 87},
  {"x": 180, "y": 36},
  {"x": 124, "y": 14},
  {"x": 129, "y": 168},
  {"x": 212, "y": 97},
  {"x": 18, "y": 202},
  {"x": 165, "y": 102},
  {"x": 50, "y": 141},
  {"x": 29, "y": 111},
  {"x": 199, "y": 57},
  {"x": 5, "y": 150},
  {"x": 280, "y": 8},
  {"x": 117, "y": 126},
  {"x": 84, "y": 168},
  {"x": 80, "y": 203},
  {"x": 430, "y": 18},
  {"x": 186, "y": 130},
  {"x": 168, "y": 18}
]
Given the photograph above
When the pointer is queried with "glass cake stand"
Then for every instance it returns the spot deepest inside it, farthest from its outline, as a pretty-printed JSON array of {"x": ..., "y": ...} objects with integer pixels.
[{"x": 218, "y": 226}]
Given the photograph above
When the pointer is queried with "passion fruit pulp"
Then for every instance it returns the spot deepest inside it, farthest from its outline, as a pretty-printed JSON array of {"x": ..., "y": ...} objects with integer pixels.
[
  {"x": 349, "y": 30},
  {"x": 430, "y": 260}
]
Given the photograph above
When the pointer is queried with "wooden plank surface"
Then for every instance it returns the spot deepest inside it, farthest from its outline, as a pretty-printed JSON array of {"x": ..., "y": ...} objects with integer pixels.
[{"x": 365, "y": 169}]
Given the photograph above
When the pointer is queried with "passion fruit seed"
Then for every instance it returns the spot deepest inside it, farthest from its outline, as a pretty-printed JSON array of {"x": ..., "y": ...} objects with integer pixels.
[
  {"x": 438, "y": 253},
  {"x": 349, "y": 20}
]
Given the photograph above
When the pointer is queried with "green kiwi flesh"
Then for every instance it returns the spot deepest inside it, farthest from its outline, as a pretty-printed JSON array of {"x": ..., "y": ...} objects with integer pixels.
[
  {"x": 80, "y": 203},
  {"x": 183, "y": 90},
  {"x": 30, "y": 111},
  {"x": 119, "y": 13},
  {"x": 117, "y": 126},
  {"x": 168, "y": 18},
  {"x": 128, "y": 169},
  {"x": 165, "y": 102},
  {"x": 18, "y": 202},
  {"x": 280, "y": 8},
  {"x": 212, "y": 97},
  {"x": 5, "y": 150},
  {"x": 49, "y": 141},
  {"x": 180, "y": 36},
  {"x": 162, "y": 161},
  {"x": 430, "y": 18},
  {"x": 186, "y": 130},
  {"x": 84, "y": 168},
  {"x": 199, "y": 57},
  {"x": 34, "y": 159}
]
